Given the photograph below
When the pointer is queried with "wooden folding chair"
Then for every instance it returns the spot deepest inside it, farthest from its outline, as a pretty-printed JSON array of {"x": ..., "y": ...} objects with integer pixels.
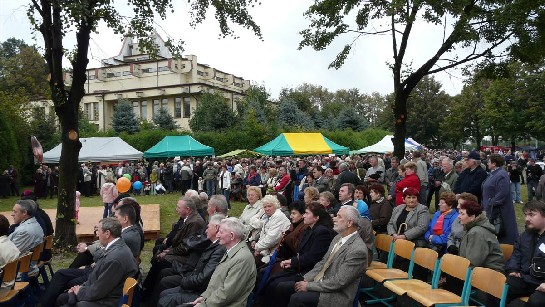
[
  {"x": 424, "y": 257},
  {"x": 507, "y": 250},
  {"x": 454, "y": 266},
  {"x": 36, "y": 252},
  {"x": 48, "y": 241},
  {"x": 488, "y": 281},
  {"x": 383, "y": 243},
  {"x": 128, "y": 291},
  {"x": 403, "y": 249},
  {"x": 8, "y": 296}
]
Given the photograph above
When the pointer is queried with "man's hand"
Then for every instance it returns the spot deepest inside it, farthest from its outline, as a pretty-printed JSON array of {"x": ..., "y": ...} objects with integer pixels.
[
  {"x": 198, "y": 301},
  {"x": 252, "y": 244},
  {"x": 165, "y": 241},
  {"x": 74, "y": 289},
  {"x": 162, "y": 254},
  {"x": 286, "y": 264},
  {"x": 541, "y": 288},
  {"x": 516, "y": 274},
  {"x": 301, "y": 286}
]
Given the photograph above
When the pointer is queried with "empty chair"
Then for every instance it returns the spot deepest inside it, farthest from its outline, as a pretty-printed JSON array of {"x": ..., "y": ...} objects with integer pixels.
[
  {"x": 454, "y": 266},
  {"x": 383, "y": 244},
  {"x": 424, "y": 257},
  {"x": 9, "y": 295},
  {"x": 489, "y": 281},
  {"x": 42, "y": 265},
  {"x": 403, "y": 249}
]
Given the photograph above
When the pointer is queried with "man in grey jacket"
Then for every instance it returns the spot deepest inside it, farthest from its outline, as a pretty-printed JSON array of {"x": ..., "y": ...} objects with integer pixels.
[
  {"x": 334, "y": 280},
  {"x": 29, "y": 233},
  {"x": 105, "y": 284}
]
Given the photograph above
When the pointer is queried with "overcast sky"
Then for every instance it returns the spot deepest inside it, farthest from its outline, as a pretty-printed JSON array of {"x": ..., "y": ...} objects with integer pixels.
[{"x": 274, "y": 62}]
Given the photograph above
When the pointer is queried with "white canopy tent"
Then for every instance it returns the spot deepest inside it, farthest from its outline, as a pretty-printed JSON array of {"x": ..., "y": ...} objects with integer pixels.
[
  {"x": 382, "y": 146},
  {"x": 98, "y": 149}
]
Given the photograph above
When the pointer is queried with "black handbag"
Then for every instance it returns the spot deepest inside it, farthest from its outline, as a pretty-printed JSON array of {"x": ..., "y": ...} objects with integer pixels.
[
  {"x": 537, "y": 268},
  {"x": 499, "y": 227}
]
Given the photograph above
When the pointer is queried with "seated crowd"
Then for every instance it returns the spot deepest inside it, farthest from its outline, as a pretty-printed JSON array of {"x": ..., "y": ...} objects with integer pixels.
[{"x": 312, "y": 252}]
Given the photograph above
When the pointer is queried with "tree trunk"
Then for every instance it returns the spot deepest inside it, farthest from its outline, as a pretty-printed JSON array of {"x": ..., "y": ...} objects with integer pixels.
[
  {"x": 68, "y": 177},
  {"x": 513, "y": 144},
  {"x": 400, "y": 126}
]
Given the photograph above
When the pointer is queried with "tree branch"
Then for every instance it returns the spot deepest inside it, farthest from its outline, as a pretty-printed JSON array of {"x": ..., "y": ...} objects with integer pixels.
[
  {"x": 367, "y": 33},
  {"x": 38, "y": 7}
]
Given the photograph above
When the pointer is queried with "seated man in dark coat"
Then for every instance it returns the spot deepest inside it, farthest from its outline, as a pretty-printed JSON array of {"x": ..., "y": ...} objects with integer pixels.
[
  {"x": 105, "y": 284},
  {"x": 193, "y": 225},
  {"x": 175, "y": 284}
]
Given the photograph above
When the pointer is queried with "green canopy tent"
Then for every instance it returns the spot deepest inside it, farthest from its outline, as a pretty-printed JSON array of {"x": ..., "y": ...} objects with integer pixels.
[
  {"x": 183, "y": 146},
  {"x": 288, "y": 144},
  {"x": 241, "y": 153}
]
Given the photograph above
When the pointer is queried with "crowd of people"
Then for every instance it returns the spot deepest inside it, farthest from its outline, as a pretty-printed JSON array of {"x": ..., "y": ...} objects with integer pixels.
[{"x": 312, "y": 221}]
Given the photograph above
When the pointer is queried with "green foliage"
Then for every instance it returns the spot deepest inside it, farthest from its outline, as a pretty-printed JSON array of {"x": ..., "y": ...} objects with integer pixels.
[
  {"x": 427, "y": 107},
  {"x": 22, "y": 70},
  {"x": 44, "y": 128},
  {"x": 9, "y": 150},
  {"x": 212, "y": 113},
  {"x": 256, "y": 100},
  {"x": 349, "y": 118},
  {"x": 124, "y": 119},
  {"x": 163, "y": 120},
  {"x": 291, "y": 117},
  {"x": 86, "y": 128}
]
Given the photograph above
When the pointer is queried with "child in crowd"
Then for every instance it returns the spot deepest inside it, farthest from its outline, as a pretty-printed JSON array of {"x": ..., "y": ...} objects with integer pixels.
[
  {"x": 159, "y": 188},
  {"x": 147, "y": 188}
]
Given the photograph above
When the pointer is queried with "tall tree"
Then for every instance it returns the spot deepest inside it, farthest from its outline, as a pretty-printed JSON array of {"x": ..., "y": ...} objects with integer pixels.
[
  {"x": 427, "y": 105},
  {"x": 124, "y": 119},
  {"x": 473, "y": 30},
  {"x": 57, "y": 19},
  {"x": 164, "y": 120},
  {"x": 212, "y": 113},
  {"x": 290, "y": 116}
]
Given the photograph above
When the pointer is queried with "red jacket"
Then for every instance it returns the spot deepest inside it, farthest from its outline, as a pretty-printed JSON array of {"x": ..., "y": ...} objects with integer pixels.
[
  {"x": 282, "y": 183},
  {"x": 410, "y": 181}
]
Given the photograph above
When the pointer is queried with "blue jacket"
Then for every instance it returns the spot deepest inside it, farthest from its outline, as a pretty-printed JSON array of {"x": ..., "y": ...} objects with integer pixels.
[
  {"x": 447, "y": 224},
  {"x": 363, "y": 209}
]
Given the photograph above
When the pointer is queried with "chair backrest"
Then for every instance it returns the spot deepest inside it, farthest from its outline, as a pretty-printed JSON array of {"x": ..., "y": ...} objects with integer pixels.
[
  {"x": 455, "y": 266},
  {"x": 37, "y": 251},
  {"x": 404, "y": 248},
  {"x": 489, "y": 281},
  {"x": 24, "y": 263},
  {"x": 48, "y": 242},
  {"x": 507, "y": 250},
  {"x": 10, "y": 271},
  {"x": 383, "y": 242},
  {"x": 128, "y": 289},
  {"x": 426, "y": 257}
]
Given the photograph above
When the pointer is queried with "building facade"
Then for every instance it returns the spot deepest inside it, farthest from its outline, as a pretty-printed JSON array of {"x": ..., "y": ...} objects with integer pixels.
[{"x": 149, "y": 84}]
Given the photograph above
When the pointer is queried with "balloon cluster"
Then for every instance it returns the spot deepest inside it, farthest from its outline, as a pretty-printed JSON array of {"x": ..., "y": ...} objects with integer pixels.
[{"x": 124, "y": 184}]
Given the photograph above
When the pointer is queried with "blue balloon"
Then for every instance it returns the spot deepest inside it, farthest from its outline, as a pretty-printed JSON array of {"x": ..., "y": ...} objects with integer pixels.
[{"x": 137, "y": 185}]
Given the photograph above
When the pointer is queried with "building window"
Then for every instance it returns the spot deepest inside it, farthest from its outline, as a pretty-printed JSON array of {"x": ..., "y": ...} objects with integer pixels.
[
  {"x": 156, "y": 106},
  {"x": 164, "y": 103},
  {"x": 177, "y": 107},
  {"x": 87, "y": 110},
  {"x": 187, "y": 107},
  {"x": 136, "y": 108},
  {"x": 95, "y": 110},
  {"x": 144, "y": 109}
]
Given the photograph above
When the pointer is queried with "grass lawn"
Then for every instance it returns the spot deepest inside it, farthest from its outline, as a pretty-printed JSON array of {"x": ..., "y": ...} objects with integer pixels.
[{"x": 168, "y": 217}]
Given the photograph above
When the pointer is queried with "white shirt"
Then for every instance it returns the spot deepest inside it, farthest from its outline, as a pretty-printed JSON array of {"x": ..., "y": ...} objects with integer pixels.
[{"x": 106, "y": 248}]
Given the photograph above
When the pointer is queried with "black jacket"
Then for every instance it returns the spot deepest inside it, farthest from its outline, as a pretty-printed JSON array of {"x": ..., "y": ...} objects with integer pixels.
[
  {"x": 314, "y": 244},
  {"x": 346, "y": 177},
  {"x": 521, "y": 258},
  {"x": 198, "y": 279}
]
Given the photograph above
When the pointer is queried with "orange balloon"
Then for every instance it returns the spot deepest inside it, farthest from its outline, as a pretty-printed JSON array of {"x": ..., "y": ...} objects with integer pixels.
[{"x": 123, "y": 184}]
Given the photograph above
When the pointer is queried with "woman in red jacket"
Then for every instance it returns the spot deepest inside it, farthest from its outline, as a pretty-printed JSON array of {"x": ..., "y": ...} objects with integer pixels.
[{"x": 409, "y": 181}]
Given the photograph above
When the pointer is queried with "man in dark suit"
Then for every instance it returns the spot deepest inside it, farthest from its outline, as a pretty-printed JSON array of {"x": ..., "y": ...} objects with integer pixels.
[
  {"x": 174, "y": 286},
  {"x": 333, "y": 281},
  {"x": 131, "y": 232},
  {"x": 105, "y": 284},
  {"x": 193, "y": 224}
]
